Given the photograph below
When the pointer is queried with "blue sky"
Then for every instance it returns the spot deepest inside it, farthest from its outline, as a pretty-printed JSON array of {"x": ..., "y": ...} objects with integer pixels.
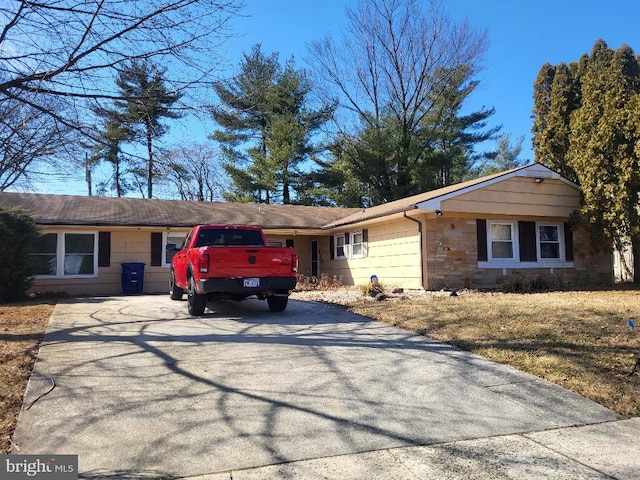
[{"x": 523, "y": 35}]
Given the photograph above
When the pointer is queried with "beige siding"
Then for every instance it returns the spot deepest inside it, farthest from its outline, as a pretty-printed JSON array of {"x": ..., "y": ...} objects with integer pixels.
[
  {"x": 518, "y": 196},
  {"x": 127, "y": 245},
  {"x": 393, "y": 256}
]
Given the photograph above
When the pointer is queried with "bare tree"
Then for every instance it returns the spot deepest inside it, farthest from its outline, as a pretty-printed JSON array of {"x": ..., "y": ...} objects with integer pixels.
[
  {"x": 390, "y": 71},
  {"x": 72, "y": 49},
  {"x": 193, "y": 172},
  {"x": 393, "y": 56},
  {"x": 27, "y": 139}
]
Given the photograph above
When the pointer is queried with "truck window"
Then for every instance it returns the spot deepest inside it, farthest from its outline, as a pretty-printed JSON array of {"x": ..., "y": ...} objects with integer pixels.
[{"x": 225, "y": 237}]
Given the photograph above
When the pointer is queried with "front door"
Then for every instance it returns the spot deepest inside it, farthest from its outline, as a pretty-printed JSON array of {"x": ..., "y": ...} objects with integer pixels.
[{"x": 315, "y": 264}]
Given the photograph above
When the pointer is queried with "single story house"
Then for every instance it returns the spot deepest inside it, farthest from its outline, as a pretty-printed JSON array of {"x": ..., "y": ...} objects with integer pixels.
[{"x": 477, "y": 234}]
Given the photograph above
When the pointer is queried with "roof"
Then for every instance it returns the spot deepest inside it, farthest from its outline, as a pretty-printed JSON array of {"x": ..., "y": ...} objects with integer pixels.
[{"x": 109, "y": 211}]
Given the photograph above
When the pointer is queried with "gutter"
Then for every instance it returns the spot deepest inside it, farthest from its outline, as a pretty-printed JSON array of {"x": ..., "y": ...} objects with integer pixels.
[{"x": 404, "y": 214}]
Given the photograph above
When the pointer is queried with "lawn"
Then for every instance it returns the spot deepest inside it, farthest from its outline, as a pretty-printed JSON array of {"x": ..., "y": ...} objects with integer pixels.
[
  {"x": 22, "y": 328},
  {"x": 579, "y": 340}
]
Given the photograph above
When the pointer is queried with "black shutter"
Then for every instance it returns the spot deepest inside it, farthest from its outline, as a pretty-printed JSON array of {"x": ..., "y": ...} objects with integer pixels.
[
  {"x": 365, "y": 235},
  {"x": 481, "y": 229},
  {"x": 104, "y": 249},
  {"x": 289, "y": 242},
  {"x": 332, "y": 245},
  {"x": 568, "y": 243},
  {"x": 527, "y": 239},
  {"x": 156, "y": 249}
]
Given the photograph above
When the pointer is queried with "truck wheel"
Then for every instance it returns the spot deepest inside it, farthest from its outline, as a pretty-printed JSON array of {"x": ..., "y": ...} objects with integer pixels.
[
  {"x": 196, "y": 302},
  {"x": 277, "y": 304},
  {"x": 175, "y": 292}
]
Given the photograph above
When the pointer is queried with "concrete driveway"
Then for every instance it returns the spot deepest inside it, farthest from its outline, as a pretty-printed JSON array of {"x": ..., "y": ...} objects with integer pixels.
[{"x": 142, "y": 390}]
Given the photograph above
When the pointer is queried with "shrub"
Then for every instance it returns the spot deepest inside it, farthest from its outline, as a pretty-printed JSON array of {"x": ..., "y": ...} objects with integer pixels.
[
  {"x": 372, "y": 289},
  {"x": 18, "y": 237},
  {"x": 325, "y": 282}
]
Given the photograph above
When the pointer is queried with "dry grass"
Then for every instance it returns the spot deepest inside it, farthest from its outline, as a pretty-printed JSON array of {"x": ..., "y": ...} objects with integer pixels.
[
  {"x": 22, "y": 327},
  {"x": 579, "y": 340}
]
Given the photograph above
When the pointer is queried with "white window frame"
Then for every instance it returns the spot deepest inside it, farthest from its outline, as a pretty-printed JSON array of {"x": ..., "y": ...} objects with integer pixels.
[
  {"x": 336, "y": 246},
  {"x": 165, "y": 241},
  {"x": 561, "y": 242},
  {"x": 514, "y": 241},
  {"x": 348, "y": 248},
  {"x": 505, "y": 263},
  {"x": 60, "y": 255},
  {"x": 361, "y": 243}
]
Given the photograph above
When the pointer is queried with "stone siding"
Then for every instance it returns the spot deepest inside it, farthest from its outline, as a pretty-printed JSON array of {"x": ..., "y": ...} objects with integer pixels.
[{"x": 452, "y": 261}]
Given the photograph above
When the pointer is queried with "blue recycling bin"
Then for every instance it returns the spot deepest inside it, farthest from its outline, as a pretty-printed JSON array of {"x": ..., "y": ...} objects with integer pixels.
[{"x": 132, "y": 278}]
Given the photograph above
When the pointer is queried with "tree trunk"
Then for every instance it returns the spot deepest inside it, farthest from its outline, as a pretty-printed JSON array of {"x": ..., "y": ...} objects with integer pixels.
[{"x": 150, "y": 164}]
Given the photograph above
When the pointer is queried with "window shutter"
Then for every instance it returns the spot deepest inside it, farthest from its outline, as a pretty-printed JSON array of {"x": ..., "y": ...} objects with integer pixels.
[
  {"x": 568, "y": 243},
  {"x": 527, "y": 241},
  {"x": 332, "y": 247},
  {"x": 365, "y": 239},
  {"x": 104, "y": 249},
  {"x": 156, "y": 249},
  {"x": 481, "y": 229}
]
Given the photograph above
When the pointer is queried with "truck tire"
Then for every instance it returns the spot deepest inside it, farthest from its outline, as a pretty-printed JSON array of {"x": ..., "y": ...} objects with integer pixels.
[
  {"x": 277, "y": 304},
  {"x": 196, "y": 302},
  {"x": 175, "y": 292}
]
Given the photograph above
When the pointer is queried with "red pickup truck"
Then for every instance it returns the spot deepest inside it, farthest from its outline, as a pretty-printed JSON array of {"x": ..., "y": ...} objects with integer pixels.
[{"x": 231, "y": 262}]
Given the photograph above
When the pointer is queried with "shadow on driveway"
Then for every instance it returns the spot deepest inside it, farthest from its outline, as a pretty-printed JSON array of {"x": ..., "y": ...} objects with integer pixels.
[{"x": 143, "y": 389}]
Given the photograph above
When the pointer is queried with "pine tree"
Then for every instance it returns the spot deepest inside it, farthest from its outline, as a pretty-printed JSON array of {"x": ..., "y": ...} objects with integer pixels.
[
  {"x": 148, "y": 102},
  {"x": 266, "y": 128},
  {"x": 111, "y": 137}
]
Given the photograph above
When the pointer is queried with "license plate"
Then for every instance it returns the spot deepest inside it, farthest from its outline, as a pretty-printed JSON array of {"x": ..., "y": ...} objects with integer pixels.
[{"x": 251, "y": 282}]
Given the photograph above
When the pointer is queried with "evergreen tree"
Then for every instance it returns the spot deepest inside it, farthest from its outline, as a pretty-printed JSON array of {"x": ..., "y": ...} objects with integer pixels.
[
  {"x": 450, "y": 135},
  {"x": 600, "y": 99},
  {"x": 19, "y": 236},
  {"x": 111, "y": 137},
  {"x": 390, "y": 158},
  {"x": 506, "y": 157},
  {"x": 148, "y": 102},
  {"x": 401, "y": 71},
  {"x": 266, "y": 128},
  {"x": 552, "y": 128}
]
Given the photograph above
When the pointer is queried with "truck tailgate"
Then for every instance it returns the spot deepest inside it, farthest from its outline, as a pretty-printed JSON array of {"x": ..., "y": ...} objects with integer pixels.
[{"x": 250, "y": 262}]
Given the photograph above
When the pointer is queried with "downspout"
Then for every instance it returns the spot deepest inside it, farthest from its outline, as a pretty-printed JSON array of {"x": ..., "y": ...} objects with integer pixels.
[{"x": 421, "y": 253}]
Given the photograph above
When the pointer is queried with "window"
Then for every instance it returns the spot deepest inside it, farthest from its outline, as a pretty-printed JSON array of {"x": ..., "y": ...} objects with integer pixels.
[
  {"x": 349, "y": 245},
  {"x": 357, "y": 245},
  {"x": 79, "y": 253},
  {"x": 175, "y": 238},
  {"x": 46, "y": 254},
  {"x": 67, "y": 255},
  {"x": 524, "y": 244},
  {"x": 548, "y": 240},
  {"x": 501, "y": 238}
]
